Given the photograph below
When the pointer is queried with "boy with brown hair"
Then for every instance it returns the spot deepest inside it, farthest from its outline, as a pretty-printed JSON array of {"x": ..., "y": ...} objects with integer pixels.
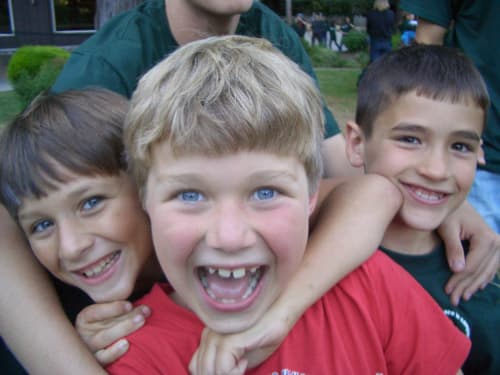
[
  {"x": 420, "y": 115},
  {"x": 229, "y": 191}
]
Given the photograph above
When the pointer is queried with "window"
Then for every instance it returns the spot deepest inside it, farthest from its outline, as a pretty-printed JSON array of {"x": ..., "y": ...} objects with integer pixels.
[
  {"x": 6, "y": 24},
  {"x": 73, "y": 15}
]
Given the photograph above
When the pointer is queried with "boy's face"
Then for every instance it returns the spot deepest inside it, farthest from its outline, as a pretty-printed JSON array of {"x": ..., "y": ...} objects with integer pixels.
[
  {"x": 221, "y": 7},
  {"x": 228, "y": 231},
  {"x": 428, "y": 148},
  {"x": 90, "y": 232}
]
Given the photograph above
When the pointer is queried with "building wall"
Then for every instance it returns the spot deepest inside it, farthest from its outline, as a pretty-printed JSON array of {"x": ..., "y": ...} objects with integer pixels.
[{"x": 33, "y": 24}]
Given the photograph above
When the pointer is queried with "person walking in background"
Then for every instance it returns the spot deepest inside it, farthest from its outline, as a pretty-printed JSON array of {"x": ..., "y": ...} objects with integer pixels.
[
  {"x": 475, "y": 32},
  {"x": 380, "y": 25}
]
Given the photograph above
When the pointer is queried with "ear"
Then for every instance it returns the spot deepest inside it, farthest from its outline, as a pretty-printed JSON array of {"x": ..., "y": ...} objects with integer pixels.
[
  {"x": 354, "y": 144},
  {"x": 313, "y": 200},
  {"x": 480, "y": 154}
]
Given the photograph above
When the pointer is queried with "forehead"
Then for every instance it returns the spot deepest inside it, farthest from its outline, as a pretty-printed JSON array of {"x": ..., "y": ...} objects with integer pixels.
[
  {"x": 71, "y": 190},
  {"x": 436, "y": 115}
]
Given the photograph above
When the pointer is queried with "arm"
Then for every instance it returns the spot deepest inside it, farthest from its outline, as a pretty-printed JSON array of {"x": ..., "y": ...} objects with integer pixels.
[
  {"x": 335, "y": 160},
  {"x": 483, "y": 259},
  {"x": 35, "y": 326},
  {"x": 430, "y": 33},
  {"x": 335, "y": 248}
]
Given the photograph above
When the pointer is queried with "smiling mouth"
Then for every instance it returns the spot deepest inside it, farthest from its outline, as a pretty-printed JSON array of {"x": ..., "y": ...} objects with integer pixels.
[
  {"x": 230, "y": 286},
  {"x": 97, "y": 269},
  {"x": 426, "y": 195}
]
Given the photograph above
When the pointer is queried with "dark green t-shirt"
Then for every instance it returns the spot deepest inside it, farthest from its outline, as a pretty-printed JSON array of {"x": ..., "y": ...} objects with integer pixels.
[
  {"x": 130, "y": 44},
  {"x": 478, "y": 318},
  {"x": 476, "y": 34}
]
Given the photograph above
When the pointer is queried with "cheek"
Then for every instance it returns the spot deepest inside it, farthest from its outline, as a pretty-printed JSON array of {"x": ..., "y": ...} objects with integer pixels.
[
  {"x": 174, "y": 235},
  {"x": 285, "y": 231},
  {"x": 46, "y": 253}
]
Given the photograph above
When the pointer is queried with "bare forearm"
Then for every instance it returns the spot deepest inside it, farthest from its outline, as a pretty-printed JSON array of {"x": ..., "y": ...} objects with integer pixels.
[
  {"x": 32, "y": 321},
  {"x": 364, "y": 204},
  {"x": 429, "y": 33}
]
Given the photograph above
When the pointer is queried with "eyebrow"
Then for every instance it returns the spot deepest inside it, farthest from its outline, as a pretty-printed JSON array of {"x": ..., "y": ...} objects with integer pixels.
[
  {"x": 468, "y": 134},
  {"x": 188, "y": 178}
]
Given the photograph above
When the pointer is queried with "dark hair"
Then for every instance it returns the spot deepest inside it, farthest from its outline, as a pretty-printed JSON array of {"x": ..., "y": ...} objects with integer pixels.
[
  {"x": 436, "y": 72},
  {"x": 79, "y": 131}
]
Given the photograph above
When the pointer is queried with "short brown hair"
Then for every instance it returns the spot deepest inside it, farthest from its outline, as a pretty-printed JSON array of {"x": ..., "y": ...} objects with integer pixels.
[
  {"x": 78, "y": 130},
  {"x": 222, "y": 95},
  {"x": 435, "y": 72}
]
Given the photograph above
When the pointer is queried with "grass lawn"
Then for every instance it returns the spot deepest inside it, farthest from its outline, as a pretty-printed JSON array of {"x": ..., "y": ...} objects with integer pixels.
[
  {"x": 338, "y": 87},
  {"x": 9, "y": 107}
]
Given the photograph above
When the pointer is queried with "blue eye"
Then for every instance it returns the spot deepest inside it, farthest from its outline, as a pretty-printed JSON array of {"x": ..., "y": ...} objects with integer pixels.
[
  {"x": 41, "y": 226},
  {"x": 91, "y": 203},
  {"x": 264, "y": 194},
  {"x": 190, "y": 196}
]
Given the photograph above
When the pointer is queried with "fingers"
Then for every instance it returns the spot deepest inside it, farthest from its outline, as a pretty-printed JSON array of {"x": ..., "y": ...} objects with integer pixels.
[
  {"x": 482, "y": 263},
  {"x": 217, "y": 355},
  {"x": 110, "y": 354},
  {"x": 100, "y": 325},
  {"x": 103, "y": 311},
  {"x": 478, "y": 273}
]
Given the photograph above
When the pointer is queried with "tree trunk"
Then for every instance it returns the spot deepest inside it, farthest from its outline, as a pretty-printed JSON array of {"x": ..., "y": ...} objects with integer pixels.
[{"x": 106, "y": 9}]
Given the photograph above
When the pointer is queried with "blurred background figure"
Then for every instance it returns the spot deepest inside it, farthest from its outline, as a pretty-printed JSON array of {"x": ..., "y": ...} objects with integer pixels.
[
  {"x": 380, "y": 26},
  {"x": 408, "y": 28}
]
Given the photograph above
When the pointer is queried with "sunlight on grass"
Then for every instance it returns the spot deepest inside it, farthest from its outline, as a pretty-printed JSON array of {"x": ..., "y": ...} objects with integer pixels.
[{"x": 338, "y": 87}]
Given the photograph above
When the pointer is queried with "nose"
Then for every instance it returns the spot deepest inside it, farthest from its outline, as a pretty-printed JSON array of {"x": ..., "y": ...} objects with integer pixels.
[
  {"x": 230, "y": 229},
  {"x": 73, "y": 239},
  {"x": 434, "y": 165}
]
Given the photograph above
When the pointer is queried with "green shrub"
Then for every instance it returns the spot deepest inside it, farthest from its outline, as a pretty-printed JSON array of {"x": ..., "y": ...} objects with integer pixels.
[
  {"x": 322, "y": 57},
  {"x": 33, "y": 69},
  {"x": 355, "y": 41},
  {"x": 28, "y": 87}
]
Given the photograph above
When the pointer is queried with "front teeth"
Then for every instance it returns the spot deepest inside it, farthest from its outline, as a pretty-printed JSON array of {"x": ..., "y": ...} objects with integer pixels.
[
  {"x": 225, "y": 273},
  {"x": 101, "y": 266},
  {"x": 237, "y": 273},
  {"x": 428, "y": 196}
]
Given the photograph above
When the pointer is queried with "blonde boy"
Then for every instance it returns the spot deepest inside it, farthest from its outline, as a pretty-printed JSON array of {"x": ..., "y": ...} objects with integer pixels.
[{"x": 229, "y": 190}]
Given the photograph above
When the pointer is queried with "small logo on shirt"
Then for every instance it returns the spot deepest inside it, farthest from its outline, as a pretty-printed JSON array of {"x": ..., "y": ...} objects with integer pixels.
[
  {"x": 287, "y": 371},
  {"x": 459, "y": 321}
]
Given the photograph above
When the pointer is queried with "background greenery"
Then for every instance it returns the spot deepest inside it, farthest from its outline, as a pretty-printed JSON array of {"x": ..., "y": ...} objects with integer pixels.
[{"x": 337, "y": 85}]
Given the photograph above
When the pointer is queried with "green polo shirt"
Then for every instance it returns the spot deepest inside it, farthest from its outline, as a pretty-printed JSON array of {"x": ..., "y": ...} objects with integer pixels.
[{"x": 130, "y": 44}]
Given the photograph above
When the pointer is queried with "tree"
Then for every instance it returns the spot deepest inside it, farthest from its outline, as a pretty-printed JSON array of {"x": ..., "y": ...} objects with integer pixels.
[{"x": 106, "y": 9}]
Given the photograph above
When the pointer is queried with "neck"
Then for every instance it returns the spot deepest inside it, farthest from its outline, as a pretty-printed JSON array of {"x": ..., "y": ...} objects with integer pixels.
[
  {"x": 150, "y": 274},
  {"x": 405, "y": 240},
  {"x": 189, "y": 22}
]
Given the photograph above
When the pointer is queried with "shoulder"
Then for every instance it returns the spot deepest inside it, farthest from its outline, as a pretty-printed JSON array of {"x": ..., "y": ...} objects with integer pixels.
[{"x": 134, "y": 25}]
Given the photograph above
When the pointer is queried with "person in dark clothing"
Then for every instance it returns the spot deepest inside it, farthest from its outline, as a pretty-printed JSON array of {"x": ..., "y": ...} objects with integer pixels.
[{"x": 380, "y": 25}]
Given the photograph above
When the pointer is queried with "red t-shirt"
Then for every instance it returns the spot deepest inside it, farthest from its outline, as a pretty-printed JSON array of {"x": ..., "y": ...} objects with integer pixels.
[{"x": 377, "y": 320}]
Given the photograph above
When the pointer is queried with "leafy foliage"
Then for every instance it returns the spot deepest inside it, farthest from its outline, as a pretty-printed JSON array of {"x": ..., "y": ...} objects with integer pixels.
[
  {"x": 355, "y": 41},
  {"x": 33, "y": 69}
]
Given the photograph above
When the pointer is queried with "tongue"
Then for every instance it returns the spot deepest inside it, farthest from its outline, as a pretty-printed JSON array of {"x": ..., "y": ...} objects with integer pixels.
[{"x": 228, "y": 288}]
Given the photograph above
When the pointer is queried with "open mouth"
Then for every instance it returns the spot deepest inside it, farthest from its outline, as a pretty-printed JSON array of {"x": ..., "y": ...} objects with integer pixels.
[
  {"x": 230, "y": 286},
  {"x": 100, "y": 267}
]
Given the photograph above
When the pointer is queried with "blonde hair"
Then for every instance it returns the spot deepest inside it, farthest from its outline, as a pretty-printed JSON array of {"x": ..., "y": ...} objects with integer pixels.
[
  {"x": 222, "y": 95},
  {"x": 381, "y": 5}
]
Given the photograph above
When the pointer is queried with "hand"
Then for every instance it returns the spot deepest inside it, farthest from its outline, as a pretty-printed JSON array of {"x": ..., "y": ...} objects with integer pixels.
[
  {"x": 102, "y": 324},
  {"x": 232, "y": 354},
  {"x": 483, "y": 259}
]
